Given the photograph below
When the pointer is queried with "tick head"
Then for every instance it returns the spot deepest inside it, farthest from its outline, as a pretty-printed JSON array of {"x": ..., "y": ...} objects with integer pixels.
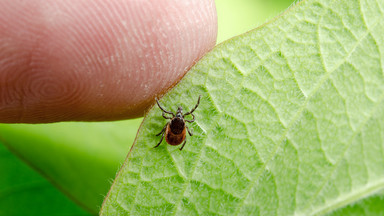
[{"x": 179, "y": 113}]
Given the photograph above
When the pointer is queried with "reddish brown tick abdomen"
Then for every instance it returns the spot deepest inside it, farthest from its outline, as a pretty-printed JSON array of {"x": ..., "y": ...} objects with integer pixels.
[{"x": 174, "y": 139}]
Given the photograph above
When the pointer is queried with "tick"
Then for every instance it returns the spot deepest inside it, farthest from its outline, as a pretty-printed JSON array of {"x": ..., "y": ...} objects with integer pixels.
[{"x": 175, "y": 131}]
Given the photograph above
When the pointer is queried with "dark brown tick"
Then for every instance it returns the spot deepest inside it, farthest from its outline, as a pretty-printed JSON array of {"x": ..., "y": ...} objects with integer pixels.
[{"x": 175, "y": 130}]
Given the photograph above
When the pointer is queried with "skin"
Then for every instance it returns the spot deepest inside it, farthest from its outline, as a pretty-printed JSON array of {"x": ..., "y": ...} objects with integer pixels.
[{"x": 96, "y": 60}]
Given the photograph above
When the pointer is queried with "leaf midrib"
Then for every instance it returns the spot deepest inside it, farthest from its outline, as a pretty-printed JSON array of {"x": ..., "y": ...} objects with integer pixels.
[{"x": 351, "y": 197}]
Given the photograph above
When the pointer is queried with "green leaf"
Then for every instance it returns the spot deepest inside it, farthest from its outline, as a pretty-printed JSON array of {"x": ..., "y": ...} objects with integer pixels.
[
  {"x": 291, "y": 122},
  {"x": 81, "y": 159},
  {"x": 41, "y": 146},
  {"x": 372, "y": 205},
  {"x": 25, "y": 192}
]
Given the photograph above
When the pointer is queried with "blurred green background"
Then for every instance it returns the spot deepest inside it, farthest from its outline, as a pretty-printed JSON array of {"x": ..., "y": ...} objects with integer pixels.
[
  {"x": 238, "y": 17},
  {"x": 42, "y": 165}
]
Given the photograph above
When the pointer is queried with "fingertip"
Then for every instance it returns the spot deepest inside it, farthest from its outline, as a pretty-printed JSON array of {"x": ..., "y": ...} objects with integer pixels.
[{"x": 97, "y": 60}]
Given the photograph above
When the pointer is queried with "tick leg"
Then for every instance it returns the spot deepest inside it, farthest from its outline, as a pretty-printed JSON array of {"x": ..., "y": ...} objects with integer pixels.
[
  {"x": 158, "y": 104},
  {"x": 190, "y": 121},
  {"x": 160, "y": 141},
  {"x": 190, "y": 132},
  {"x": 162, "y": 137},
  {"x": 162, "y": 130},
  {"x": 198, "y": 102},
  {"x": 183, "y": 143},
  {"x": 166, "y": 117}
]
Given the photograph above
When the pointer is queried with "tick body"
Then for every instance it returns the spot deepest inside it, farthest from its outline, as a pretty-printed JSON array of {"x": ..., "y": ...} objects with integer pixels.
[{"x": 175, "y": 131}]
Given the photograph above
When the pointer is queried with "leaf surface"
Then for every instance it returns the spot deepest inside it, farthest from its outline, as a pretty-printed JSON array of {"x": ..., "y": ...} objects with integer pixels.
[
  {"x": 25, "y": 192},
  {"x": 81, "y": 159},
  {"x": 291, "y": 123}
]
